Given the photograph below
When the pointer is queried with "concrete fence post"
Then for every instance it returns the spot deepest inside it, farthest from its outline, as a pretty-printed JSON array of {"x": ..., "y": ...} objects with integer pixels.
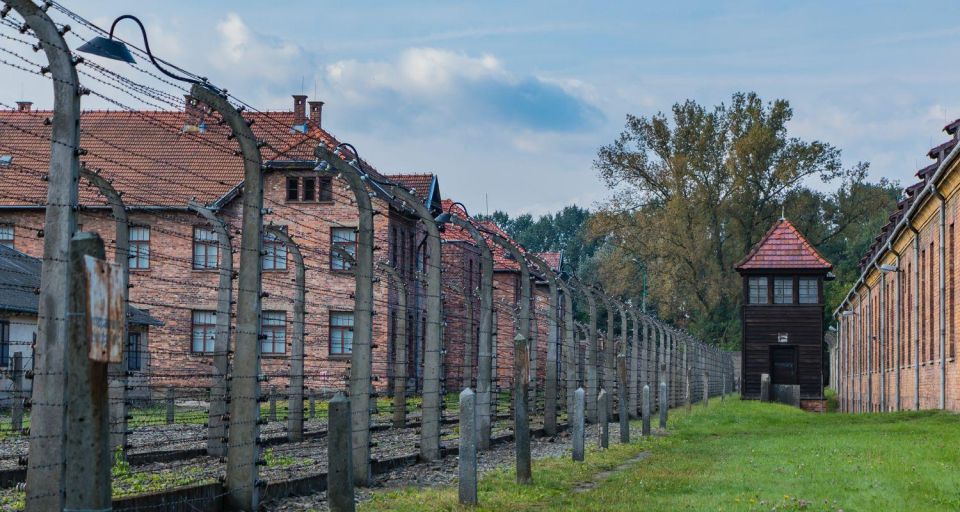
[
  {"x": 468, "y": 448},
  {"x": 87, "y": 473},
  {"x": 313, "y": 405},
  {"x": 765, "y": 387},
  {"x": 171, "y": 405},
  {"x": 602, "y": 419},
  {"x": 577, "y": 424},
  {"x": 687, "y": 391},
  {"x": 723, "y": 385},
  {"x": 339, "y": 454},
  {"x": 16, "y": 405},
  {"x": 706, "y": 388},
  {"x": 645, "y": 410},
  {"x": 634, "y": 365},
  {"x": 399, "y": 348},
  {"x": 663, "y": 405},
  {"x": 623, "y": 412},
  {"x": 272, "y": 395},
  {"x": 521, "y": 422},
  {"x": 295, "y": 395}
]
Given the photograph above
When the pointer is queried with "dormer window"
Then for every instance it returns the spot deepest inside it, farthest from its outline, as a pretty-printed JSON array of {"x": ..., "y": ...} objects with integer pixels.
[{"x": 308, "y": 189}]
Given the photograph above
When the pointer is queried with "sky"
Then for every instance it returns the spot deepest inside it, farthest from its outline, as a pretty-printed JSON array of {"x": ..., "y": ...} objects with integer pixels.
[{"x": 508, "y": 102}]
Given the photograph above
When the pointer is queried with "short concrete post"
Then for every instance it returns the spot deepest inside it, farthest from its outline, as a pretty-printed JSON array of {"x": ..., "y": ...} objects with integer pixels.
[
  {"x": 272, "y": 415},
  {"x": 645, "y": 410},
  {"x": 687, "y": 393},
  {"x": 624, "y": 414},
  {"x": 313, "y": 406},
  {"x": 706, "y": 388},
  {"x": 171, "y": 404},
  {"x": 577, "y": 425},
  {"x": 521, "y": 422},
  {"x": 340, "y": 456},
  {"x": 468, "y": 447},
  {"x": 16, "y": 407},
  {"x": 663, "y": 405},
  {"x": 765, "y": 387},
  {"x": 602, "y": 408}
]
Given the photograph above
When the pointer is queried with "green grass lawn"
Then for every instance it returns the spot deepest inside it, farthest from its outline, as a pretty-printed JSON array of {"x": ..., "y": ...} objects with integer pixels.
[{"x": 743, "y": 456}]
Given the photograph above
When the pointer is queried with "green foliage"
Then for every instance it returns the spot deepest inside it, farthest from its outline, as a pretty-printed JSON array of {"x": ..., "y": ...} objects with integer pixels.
[{"x": 739, "y": 456}]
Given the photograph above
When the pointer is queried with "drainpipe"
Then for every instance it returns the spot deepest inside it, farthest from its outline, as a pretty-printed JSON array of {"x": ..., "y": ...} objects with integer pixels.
[
  {"x": 916, "y": 315},
  {"x": 943, "y": 296},
  {"x": 897, "y": 325},
  {"x": 858, "y": 357}
]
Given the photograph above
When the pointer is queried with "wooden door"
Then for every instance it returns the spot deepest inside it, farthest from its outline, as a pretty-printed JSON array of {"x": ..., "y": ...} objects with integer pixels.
[{"x": 783, "y": 365}]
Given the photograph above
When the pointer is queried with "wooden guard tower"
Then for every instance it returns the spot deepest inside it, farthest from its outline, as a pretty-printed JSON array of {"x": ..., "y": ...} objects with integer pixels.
[{"x": 782, "y": 314}]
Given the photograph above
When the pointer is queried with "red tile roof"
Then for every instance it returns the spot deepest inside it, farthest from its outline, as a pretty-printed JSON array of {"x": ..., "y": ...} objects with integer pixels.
[
  {"x": 150, "y": 155},
  {"x": 501, "y": 262},
  {"x": 420, "y": 183},
  {"x": 452, "y": 232},
  {"x": 552, "y": 259},
  {"x": 783, "y": 247}
]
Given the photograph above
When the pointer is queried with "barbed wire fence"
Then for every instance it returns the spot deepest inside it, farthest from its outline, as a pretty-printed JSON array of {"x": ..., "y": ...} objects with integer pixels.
[{"x": 172, "y": 397}]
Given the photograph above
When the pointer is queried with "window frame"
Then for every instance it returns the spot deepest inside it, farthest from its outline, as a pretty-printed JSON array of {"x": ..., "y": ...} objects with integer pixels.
[
  {"x": 341, "y": 329},
  {"x": 295, "y": 181},
  {"x": 10, "y": 242},
  {"x": 136, "y": 248},
  {"x": 207, "y": 244},
  {"x": 786, "y": 291},
  {"x": 272, "y": 247},
  {"x": 765, "y": 289},
  {"x": 5, "y": 343},
  {"x": 208, "y": 329},
  {"x": 816, "y": 290},
  {"x": 343, "y": 265},
  {"x": 269, "y": 332},
  {"x": 312, "y": 189},
  {"x": 135, "y": 353}
]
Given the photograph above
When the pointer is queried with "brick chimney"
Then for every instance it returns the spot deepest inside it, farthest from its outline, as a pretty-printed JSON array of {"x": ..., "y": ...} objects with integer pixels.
[
  {"x": 316, "y": 112},
  {"x": 24, "y": 106},
  {"x": 299, "y": 109}
]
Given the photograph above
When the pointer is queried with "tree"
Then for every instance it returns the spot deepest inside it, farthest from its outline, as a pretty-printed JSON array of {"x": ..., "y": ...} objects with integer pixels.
[{"x": 693, "y": 193}]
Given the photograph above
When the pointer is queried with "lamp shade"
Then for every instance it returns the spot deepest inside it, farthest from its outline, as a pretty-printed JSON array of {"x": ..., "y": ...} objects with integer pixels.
[{"x": 109, "y": 48}]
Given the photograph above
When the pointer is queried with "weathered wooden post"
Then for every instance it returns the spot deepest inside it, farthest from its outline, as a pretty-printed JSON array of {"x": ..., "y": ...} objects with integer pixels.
[
  {"x": 521, "y": 422},
  {"x": 171, "y": 406},
  {"x": 645, "y": 410},
  {"x": 577, "y": 425},
  {"x": 468, "y": 447},
  {"x": 624, "y": 413},
  {"x": 16, "y": 406},
  {"x": 663, "y": 405},
  {"x": 602, "y": 419},
  {"x": 339, "y": 456},
  {"x": 723, "y": 385}
]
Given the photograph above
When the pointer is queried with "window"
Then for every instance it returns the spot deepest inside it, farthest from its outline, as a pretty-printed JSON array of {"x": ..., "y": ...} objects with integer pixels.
[
  {"x": 205, "y": 249},
  {"x": 273, "y": 330},
  {"x": 758, "y": 290},
  {"x": 345, "y": 239},
  {"x": 783, "y": 290},
  {"x": 6, "y": 235},
  {"x": 139, "y": 247},
  {"x": 309, "y": 189},
  {"x": 4, "y": 343},
  {"x": 134, "y": 351},
  {"x": 274, "y": 253},
  {"x": 807, "y": 286},
  {"x": 293, "y": 189},
  {"x": 204, "y": 325},
  {"x": 341, "y": 332},
  {"x": 326, "y": 190}
]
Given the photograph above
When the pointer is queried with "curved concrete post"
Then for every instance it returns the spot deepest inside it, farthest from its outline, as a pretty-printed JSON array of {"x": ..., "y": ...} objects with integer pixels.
[
  {"x": 117, "y": 372},
  {"x": 244, "y": 448},
  {"x": 523, "y": 315},
  {"x": 219, "y": 387},
  {"x": 570, "y": 348},
  {"x": 361, "y": 355},
  {"x": 295, "y": 398},
  {"x": 430, "y": 426},
  {"x": 399, "y": 348},
  {"x": 609, "y": 365},
  {"x": 485, "y": 343},
  {"x": 593, "y": 352},
  {"x": 45, "y": 469}
]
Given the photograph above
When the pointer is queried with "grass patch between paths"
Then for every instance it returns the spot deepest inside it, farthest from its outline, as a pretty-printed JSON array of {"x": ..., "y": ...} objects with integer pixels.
[{"x": 741, "y": 456}]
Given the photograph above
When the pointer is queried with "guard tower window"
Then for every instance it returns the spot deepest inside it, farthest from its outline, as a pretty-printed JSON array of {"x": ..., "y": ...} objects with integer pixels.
[{"x": 758, "y": 290}]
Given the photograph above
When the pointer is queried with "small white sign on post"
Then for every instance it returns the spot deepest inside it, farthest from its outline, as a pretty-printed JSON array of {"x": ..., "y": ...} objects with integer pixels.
[
  {"x": 106, "y": 314},
  {"x": 783, "y": 338}
]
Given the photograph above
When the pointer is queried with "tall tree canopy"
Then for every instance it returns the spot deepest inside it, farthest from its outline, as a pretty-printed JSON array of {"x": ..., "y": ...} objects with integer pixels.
[{"x": 693, "y": 192}]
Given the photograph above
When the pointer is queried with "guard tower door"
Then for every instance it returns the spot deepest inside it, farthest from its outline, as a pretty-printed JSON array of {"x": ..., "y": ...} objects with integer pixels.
[{"x": 783, "y": 365}]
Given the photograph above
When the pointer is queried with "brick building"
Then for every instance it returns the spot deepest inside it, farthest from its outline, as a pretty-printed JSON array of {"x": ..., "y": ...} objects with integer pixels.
[
  {"x": 897, "y": 327},
  {"x": 159, "y": 160}
]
